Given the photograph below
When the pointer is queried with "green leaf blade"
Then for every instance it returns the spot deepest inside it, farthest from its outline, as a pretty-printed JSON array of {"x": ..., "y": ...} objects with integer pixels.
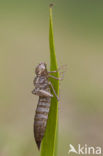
[{"x": 49, "y": 142}]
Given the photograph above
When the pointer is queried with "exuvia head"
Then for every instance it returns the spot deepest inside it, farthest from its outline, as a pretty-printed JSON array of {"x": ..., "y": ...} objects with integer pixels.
[{"x": 41, "y": 69}]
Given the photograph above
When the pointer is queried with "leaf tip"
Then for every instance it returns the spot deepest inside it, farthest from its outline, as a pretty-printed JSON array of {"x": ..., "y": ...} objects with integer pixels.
[{"x": 51, "y": 5}]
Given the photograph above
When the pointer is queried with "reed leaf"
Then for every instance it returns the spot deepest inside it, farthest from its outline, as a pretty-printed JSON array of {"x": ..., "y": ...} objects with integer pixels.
[{"x": 49, "y": 142}]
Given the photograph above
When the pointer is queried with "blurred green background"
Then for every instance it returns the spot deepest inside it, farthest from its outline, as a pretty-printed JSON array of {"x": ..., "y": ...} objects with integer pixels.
[{"x": 78, "y": 31}]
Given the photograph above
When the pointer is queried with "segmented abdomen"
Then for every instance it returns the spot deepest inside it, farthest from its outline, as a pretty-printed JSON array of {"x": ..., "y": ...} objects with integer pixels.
[{"x": 41, "y": 118}]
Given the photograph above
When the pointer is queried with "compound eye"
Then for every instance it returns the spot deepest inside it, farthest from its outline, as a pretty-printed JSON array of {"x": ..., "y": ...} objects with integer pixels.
[
  {"x": 45, "y": 65},
  {"x": 42, "y": 67}
]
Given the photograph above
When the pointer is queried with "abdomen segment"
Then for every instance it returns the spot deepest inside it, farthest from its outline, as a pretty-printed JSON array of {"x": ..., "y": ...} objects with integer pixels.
[{"x": 40, "y": 120}]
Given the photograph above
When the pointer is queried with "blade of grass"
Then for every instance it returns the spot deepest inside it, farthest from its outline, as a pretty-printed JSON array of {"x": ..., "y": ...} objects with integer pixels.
[{"x": 49, "y": 142}]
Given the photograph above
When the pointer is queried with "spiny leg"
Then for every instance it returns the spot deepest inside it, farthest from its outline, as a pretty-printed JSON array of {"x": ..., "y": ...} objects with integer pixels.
[
  {"x": 54, "y": 90},
  {"x": 55, "y": 71},
  {"x": 61, "y": 67},
  {"x": 60, "y": 73},
  {"x": 56, "y": 78}
]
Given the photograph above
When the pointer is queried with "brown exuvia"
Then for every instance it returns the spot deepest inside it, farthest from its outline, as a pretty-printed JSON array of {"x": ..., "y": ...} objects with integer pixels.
[{"x": 42, "y": 89}]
